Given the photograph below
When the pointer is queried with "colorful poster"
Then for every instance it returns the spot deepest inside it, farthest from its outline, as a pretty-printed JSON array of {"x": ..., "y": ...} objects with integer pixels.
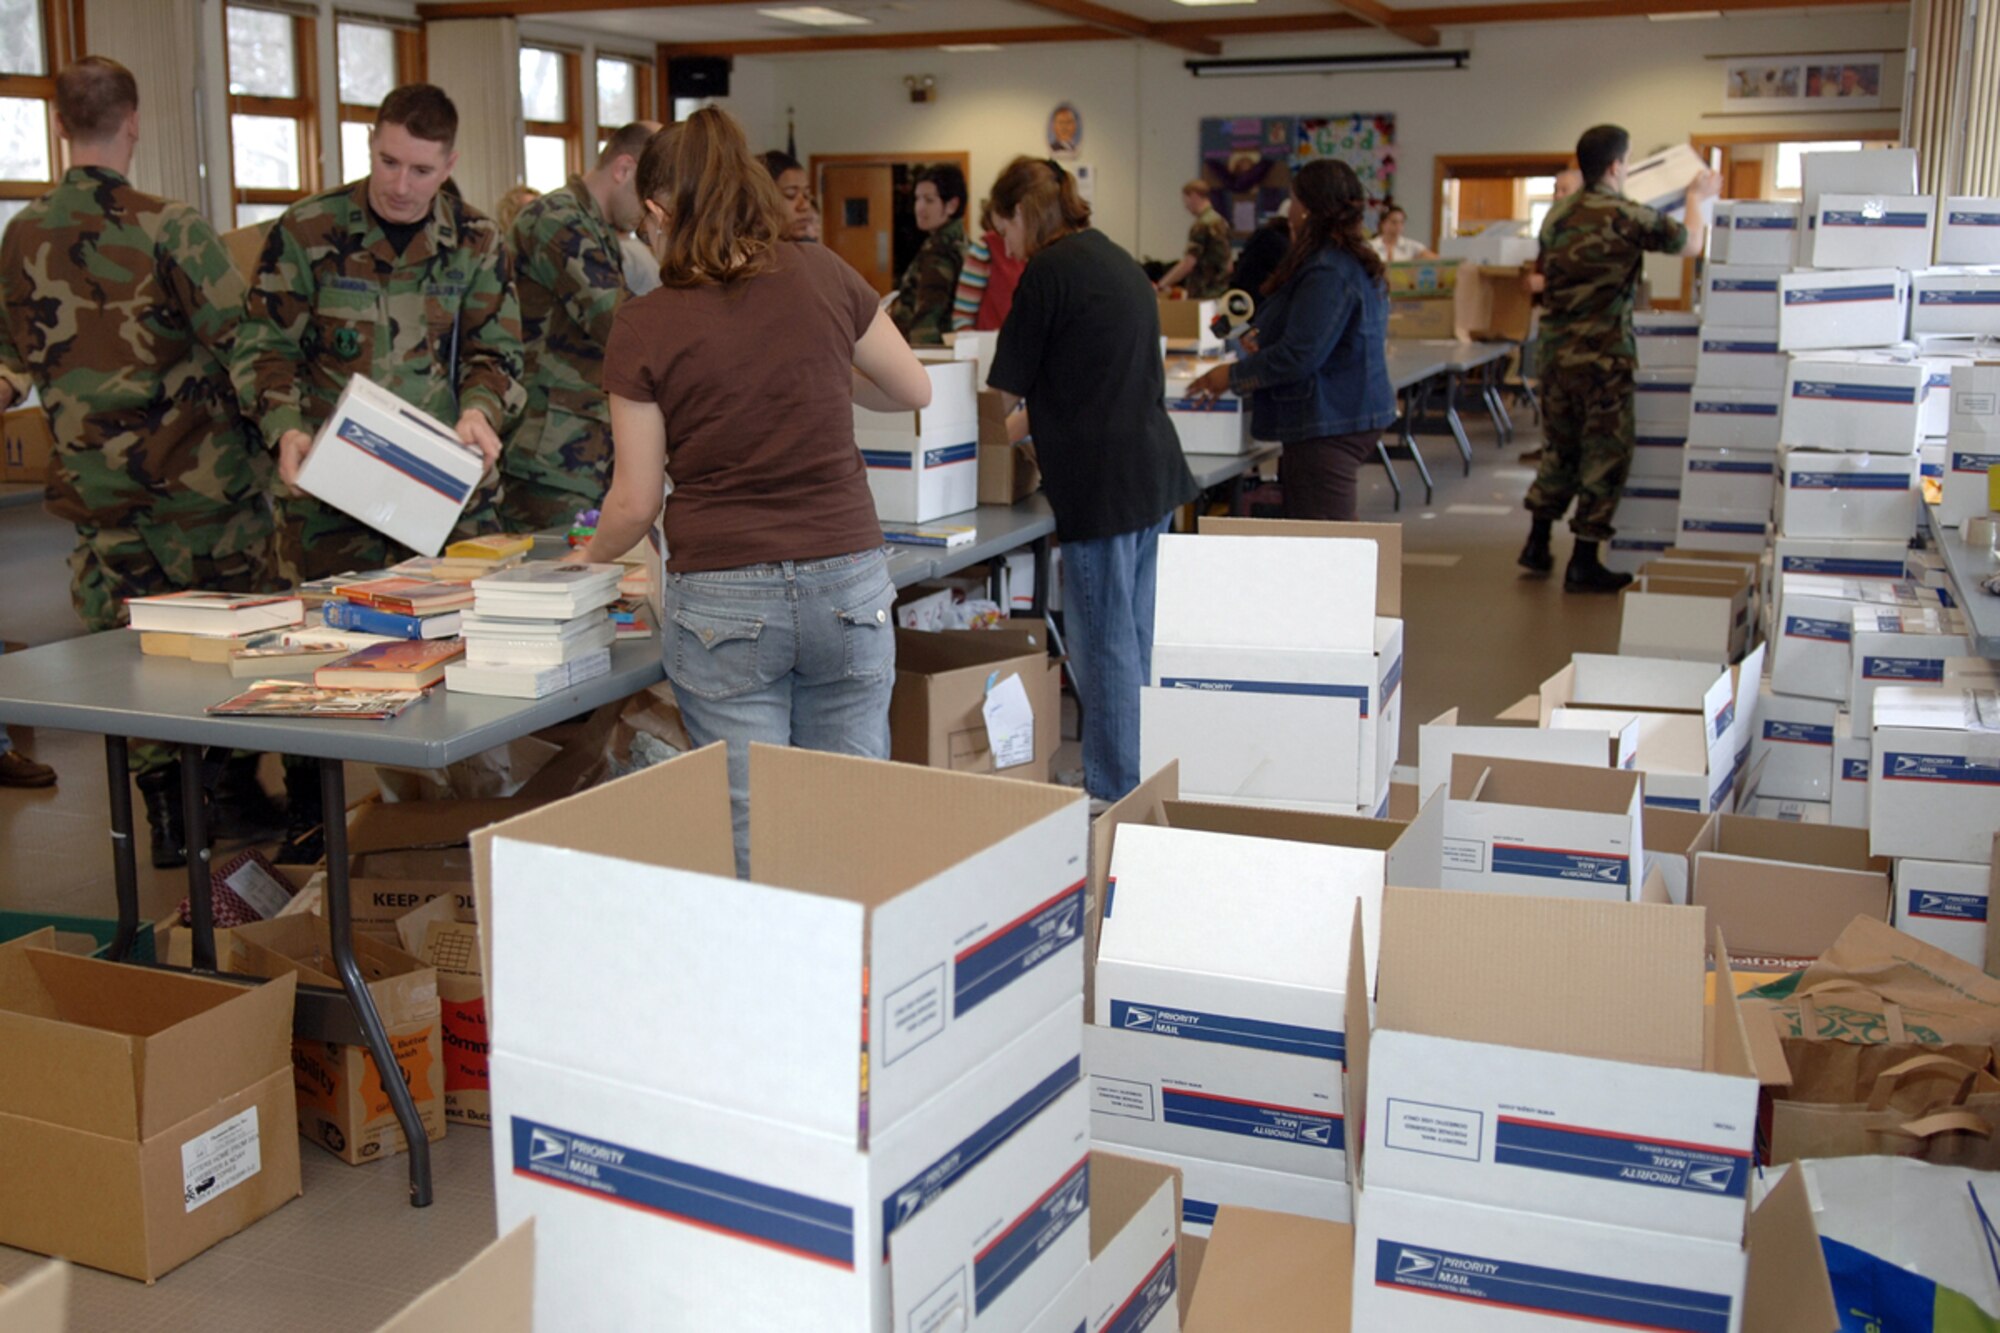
[{"x": 1249, "y": 160}]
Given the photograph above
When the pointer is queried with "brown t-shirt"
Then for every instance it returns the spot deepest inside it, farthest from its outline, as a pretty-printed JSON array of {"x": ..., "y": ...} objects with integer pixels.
[{"x": 755, "y": 382}]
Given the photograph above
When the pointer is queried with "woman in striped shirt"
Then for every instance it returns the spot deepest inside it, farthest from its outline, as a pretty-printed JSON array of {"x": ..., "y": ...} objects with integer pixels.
[{"x": 986, "y": 284}]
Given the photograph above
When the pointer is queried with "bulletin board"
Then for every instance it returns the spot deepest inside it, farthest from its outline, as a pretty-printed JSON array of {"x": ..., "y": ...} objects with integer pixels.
[{"x": 1248, "y": 160}]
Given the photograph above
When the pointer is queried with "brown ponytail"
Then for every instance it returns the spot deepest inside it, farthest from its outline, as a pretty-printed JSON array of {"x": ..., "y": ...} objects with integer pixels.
[
  {"x": 1334, "y": 204},
  {"x": 1044, "y": 197},
  {"x": 724, "y": 215}
]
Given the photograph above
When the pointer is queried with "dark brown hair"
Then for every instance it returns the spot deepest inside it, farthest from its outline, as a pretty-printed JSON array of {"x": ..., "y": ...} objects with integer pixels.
[
  {"x": 725, "y": 216},
  {"x": 1598, "y": 150},
  {"x": 93, "y": 97},
  {"x": 422, "y": 109},
  {"x": 1044, "y": 197},
  {"x": 628, "y": 141},
  {"x": 1335, "y": 203},
  {"x": 777, "y": 161}
]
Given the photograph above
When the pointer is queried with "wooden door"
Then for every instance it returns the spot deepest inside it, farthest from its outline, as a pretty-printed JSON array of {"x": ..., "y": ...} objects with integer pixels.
[
  {"x": 1745, "y": 178},
  {"x": 1484, "y": 201},
  {"x": 858, "y": 223}
]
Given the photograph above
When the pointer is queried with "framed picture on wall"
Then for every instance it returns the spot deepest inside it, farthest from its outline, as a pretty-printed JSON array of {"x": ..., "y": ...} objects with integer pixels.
[{"x": 1828, "y": 81}]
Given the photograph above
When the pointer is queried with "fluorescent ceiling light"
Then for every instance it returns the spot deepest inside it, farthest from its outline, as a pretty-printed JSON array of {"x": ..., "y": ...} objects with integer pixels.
[
  {"x": 967, "y": 48},
  {"x": 1202, "y": 4},
  {"x": 1384, "y": 62},
  {"x": 816, "y": 16},
  {"x": 1683, "y": 17}
]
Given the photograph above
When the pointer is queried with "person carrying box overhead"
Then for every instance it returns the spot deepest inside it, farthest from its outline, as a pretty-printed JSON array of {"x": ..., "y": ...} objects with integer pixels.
[
  {"x": 922, "y": 308},
  {"x": 397, "y": 278},
  {"x": 1593, "y": 245},
  {"x": 1203, "y": 272}
]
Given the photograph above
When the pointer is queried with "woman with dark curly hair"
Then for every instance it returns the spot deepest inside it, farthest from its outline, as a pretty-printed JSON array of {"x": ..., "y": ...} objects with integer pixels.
[{"x": 1318, "y": 375}]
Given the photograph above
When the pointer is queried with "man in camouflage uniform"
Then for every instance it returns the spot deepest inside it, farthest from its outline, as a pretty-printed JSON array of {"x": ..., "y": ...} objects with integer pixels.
[
  {"x": 396, "y": 278},
  {"x": 1203, "y": 272},
  {"x": 120, "y": 310},
  {"x": 922, "y": 308},
  {"x": 1592, "y": 246},
  {"x": 570, "y": 276}
]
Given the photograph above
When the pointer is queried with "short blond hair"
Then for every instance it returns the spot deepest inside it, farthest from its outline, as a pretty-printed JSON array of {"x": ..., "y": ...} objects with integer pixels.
[{"x": 1197, "y": 186}]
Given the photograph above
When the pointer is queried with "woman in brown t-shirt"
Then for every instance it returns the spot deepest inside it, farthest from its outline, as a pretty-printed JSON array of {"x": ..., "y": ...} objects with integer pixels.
[{"x": 740, "y": 374}]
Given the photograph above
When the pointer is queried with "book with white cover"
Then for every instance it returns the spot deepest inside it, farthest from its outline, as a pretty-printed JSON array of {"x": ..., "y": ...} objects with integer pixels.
[
  {"x": 547, "y": 590},
  {"x": 526, "y": 682},
  {"x": 488, "y": 650},
  {"x": 214, "y": 614},
  {"x": 475, "y": 626}
]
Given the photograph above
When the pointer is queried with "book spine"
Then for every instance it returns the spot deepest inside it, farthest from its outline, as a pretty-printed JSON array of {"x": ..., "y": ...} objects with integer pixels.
[{"x": 368, "y": 620}]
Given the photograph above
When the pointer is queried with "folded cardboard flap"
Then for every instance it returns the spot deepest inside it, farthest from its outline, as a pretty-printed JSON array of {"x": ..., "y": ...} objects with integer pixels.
[
  {"x": 1144, "y": 804},
  {"x": 930, "y": 653},
  {"x": 1274, "y": 1273},
  {"x": 1289, "y": 825},
  {"x": 302, "y": 944},
  {"x": 39, "y": 1302},
  {"x": 1193, "y": 1250},
  {"x": 1387, "y": 536},
  {"x": 1607, "y": 791},
  {"x": 1219, "y": 591},
  {"x": 493, "y": 1293},
  {"x": 1787, "y": 1289},
  {"x": 1825, "y": 845},
  {"x": 1119, "y": 1188}
]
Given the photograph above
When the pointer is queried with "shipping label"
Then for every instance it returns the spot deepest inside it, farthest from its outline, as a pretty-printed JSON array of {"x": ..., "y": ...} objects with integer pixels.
[
  {"x": 1937, "y": 906},
  {"x": 215, "y": 1162},
  {"x": 1954, "y": 769},
  {"x": 1507, "y": 1286},
  {"x": 1796, "y": 733},
  {"x": 1230, "y": 1030},
  {"x": 1561, "y": 863}
]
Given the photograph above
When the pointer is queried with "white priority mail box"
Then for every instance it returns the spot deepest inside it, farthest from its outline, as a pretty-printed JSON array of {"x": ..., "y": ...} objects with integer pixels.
[
  {"x": 1955, "y": 301},
  {"x": 1442, "y": 740},
  {"x": 1649, "y": 505},
  {"x": 1741, "y": 296},
  {"x": 1793, "y": 742},
  {"x": 1724, "y": 418},
  {"x": 1898, "y": 646},
  {"x": 1661, "y": 180},
  {"x": 1972, "y": 445},
  {"x": 1944, "y": 903},
  {"x": 1840, "y": 402},
  {"x": 1205, "y": 426},
  {"x": 1547, "y": 830},
  {"x": 1068, "y": 1312},
  {"x": 1846, "y": 494},
  {"x": 1872, "y": 231},
  {"x": 1660, "y": 398},
  {"x": 1686, "y": 712},
  {"x": 1630, "y": 551},
  {"x": 1852, "y": 760},
  {"x": 1869, "y": 171},
  {"x": 1658, "y": 455},
  {"x": 1965, "y": 482},
  {"x": 1843, "y": 557},
  {"x": 1207, "y": 1186},
  {"x": 1667, "y": 340},
  {"x": 399, "y": 470},
  {"x": 1830, "y": 308},
  {"x": 925, "y": 465},
  {"x": 1670, "y": 613},
  {"x": 1813, "y": 656},
  {"x": 1730, "y": 481},
  {"x": 1135, "y": 1229},
  {"x": 1739, "y": 358},
  {"x": 1724, "y": 530},
  {"x": 1762, "y": 233},
  {"x": 1969, "y": 231},
  {"x": 1934, "y": 785}
]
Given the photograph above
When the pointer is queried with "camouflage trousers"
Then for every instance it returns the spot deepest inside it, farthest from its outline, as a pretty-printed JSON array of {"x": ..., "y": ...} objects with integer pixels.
[
  {"x": 316, "y": 541},
  {"x": 218, "y": 550},
  {"x": 1586, "y": 447},
  {"x": 557, "y": 464}
]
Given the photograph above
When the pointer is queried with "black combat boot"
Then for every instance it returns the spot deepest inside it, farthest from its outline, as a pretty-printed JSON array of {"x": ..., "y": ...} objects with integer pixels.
[
  {"x": 1586, "y": 574},
  {"x": 305, "y": 833},
  {"x": 1536, "y": 557},
  {"x": 162, "y": 790},
  {"x": 239, "y": 809}
]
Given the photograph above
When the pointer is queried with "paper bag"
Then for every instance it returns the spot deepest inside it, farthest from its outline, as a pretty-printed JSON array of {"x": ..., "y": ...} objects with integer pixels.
[
  {"x": 1930, "y": 1107},
  {"x": 1877, "y": 986}
]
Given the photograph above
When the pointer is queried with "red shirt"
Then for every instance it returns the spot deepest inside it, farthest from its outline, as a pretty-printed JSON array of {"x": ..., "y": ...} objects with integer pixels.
[{"x": 1003, "y": 275}]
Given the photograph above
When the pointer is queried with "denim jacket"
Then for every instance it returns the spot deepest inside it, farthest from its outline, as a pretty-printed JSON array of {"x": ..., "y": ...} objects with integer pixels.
[{"x": 1321, "y": 367}]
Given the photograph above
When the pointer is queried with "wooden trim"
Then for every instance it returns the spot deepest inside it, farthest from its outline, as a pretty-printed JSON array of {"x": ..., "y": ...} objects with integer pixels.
[
  {"x": 1381, "y": 16},
  {"x": 570, "y": 129},
  {"x": 302, "y": 111},
  {"x": 642, "y": 87},
  {"x": 1484, "y": 166},
  {"x": 24, "y": 189},
  {"x": 500, "y": 9},
  {"x": 1131, "y": 25},
  {"x": 898, "y": 41},
  {"x": 1703, "y": 142}
]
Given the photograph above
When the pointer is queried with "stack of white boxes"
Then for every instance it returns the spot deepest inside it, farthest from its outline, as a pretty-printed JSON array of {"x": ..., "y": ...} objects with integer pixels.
[
  {"x": 924, "y": 465},
  {"x": 1972, "y": 442},
  {"x": 1274, "y": 681},
  {"x": 1663, "y": 388}
]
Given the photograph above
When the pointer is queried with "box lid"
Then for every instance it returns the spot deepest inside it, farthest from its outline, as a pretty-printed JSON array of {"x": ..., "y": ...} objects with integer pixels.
[
  {"x": 1244, "y": 592},
  {"x": 1386, "y": 536}
]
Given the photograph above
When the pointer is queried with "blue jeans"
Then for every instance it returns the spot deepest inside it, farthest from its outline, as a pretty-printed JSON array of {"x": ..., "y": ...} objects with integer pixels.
[
  {"x": 793, "y": 654},
  {"x": 1108, "y": 586}
]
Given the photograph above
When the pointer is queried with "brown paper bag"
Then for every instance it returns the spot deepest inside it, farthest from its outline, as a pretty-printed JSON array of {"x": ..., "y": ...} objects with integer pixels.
[
  {"x": 1930, "y": 1107},
  {"x": 1878, "y": 986}
]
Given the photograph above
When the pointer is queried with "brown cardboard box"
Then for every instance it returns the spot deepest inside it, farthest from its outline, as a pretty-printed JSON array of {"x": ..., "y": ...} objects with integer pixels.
[
  {"x": 1008, "y": 473},
  {"x": 246, "y": 246},
  {"x": 1431, "y": 316},
  {"x": 442, "y": 933},
  {"x": 341, "y": 1101},
  {"x": 424, "y": 840},
  {"x": 1494, "y": 303},
  {"x": 934, "y": 715},
  {"x": 1665, "y": 614},
  {"x": 30, "y": 448},
  {"x": 1274, "y": 1273},
  {"x": 1135, "y": 1233},
  {"x": 493, "y": 1293},
  {"x": 1782, "y": 892},
  {"x": 1180, "y": 319},
  {"x": 144, "y": 1115},
  {"x": 39, "y": 1302}
]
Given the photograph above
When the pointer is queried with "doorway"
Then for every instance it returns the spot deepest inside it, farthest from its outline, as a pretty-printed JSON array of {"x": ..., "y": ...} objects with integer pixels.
[
  {"x": 867, "y": 214},
  {"x": 1473, "y": 191}
]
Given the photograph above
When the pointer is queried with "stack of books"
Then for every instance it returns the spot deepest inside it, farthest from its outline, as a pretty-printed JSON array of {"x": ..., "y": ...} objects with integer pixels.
[
  {"x": 537, "y": 629},
  {"x": 399, "y": 607},
  {"x": 208, "y": 626}
]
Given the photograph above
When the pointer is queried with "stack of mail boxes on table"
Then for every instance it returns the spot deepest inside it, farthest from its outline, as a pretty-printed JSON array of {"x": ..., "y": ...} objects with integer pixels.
[{"x": 924, "y": 465}]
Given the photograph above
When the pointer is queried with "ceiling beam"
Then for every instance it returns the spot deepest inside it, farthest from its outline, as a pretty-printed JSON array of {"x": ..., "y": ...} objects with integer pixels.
[
  {"x": 890, "y": 41},
  {"x": 1377, "y": 14},
  {"x": 1128, "y": 25},
  {"x": 488, "y": 9}
]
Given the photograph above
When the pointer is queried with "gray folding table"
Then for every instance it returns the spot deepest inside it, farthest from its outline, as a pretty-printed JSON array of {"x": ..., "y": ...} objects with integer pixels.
[{"x": 1969, "y": 569}]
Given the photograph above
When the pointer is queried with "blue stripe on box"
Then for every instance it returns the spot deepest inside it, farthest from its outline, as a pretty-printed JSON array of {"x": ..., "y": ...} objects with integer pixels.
[
  {"x": 1821, "y": 631},
  {"x": 1935, "y": 297},
  {"x": 1208, "y": 406},
  {"x": 1359, "y": 693},
  {"x": 1741, "y": 348},
  {"x": 1946, "y": 906},
  {"x": 1624, "y": 1158},
  {"x": 888, "y": 459},
  {"x": 1845, "y": 568},
  {"x": 923, "y": 1189},
  {"x": 1961, "y": 462},
  {"x": 1796, "y": 733},
  {"x": 1715, "y": 407},
  {"x": 1558, "y": 863},
  {"x": 1500, "y": 1284},
  {"x": 1664, "y": 388},
  {"x": 1849, "y": 481},
  {"x": 1651, "y": 493},
  {"x": 1391, "y": 682},
  {"x": 1744, "y": 285},
  {"x": 1765, "y": 224},
  {"x": 1722, "y": 526},
  {"x": 1972, "y": 219},
  {"x": 952, "y": 453},
  {"x": 1254, "y": 1120},
  {"x": 1841, "y": 295},
  {"x": 1014, "y": 1251},
  {"x": 1197, "y": 1212},
  {"x": 1854, "y": 217},
  {"x": 1952, "y": 769},
  {"x": 712, "y": 1200},
  {"x": 1731, "y": 468},
  {"x": 1674, "y": 803},
  {"x": 1229, "y": 1030},
  {"x": 1923, "y": 670},
  {"x": 1148, "y": 1298},
  {"x": 1724, "y": 718},
  {"x": 1667, "y": 331},
  {"x": 1660, "y": 441},
  {"x": 387, "y": 452},
  {"x": 1834, "y": 391},
  {"x": 989, "y": 966}
]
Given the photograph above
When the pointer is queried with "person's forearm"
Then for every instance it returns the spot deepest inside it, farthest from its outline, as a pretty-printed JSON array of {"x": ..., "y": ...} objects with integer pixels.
[
  {"x": 869, "y": 394},
  {"x": 1697, "y": 231},
  {"x": 1177, "y": 272},
  {"x": 622, "y": 521}
]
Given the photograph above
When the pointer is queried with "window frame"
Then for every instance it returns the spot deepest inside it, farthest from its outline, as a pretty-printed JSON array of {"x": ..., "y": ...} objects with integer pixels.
[
  {"x": 302, "y": 110},
  {"x": 569, "y": 130},
  {"x": 642, "y": 91},
  {"x": 411, "y": 60},
  {"x": 58, "y": 48}
]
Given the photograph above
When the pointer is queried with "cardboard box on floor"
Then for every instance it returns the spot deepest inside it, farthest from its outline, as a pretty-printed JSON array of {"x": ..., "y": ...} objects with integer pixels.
[
  {"x": 39, "y": 1302},
  {"x": 144, "y": 1115},
  {"x": 936, "y": 713},
  {"x": 445, "y": 937},
  {"x": 493, "y": 1293},
  {"x": 1687, "y": 714},
  {"x": 403, "y": 854},
  {"x": 1546, "y": 830},
  {"x": 1542, "y": 1080},
  {"x": 1693, "y": 619},
  {"x": 711, "y": 1068},
  {"x": 29, "y": 447},
  {"x": 1442, "y": 739},
  {"x": 1135, "y": 1228},
  {"x": 1781, "y": 892},
  {"x": 1274, "y": 1273},
  {"x": 1946, "y": 904},
  {"x": 1934, "y": 784},
  {"x": 342, "y": 1103}
]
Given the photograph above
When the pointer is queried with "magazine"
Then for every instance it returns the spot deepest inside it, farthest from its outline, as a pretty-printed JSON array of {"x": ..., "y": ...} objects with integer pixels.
[{"x": 291, "y": 698}]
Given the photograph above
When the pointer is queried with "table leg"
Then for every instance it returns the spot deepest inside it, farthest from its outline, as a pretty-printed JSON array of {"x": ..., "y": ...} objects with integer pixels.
[
  {"x": 340, "y": 928},
  {"x": 194, "y": 814},
  {"x": 1389, "y": 466},
  {"x": 1496, "y": 374},
  {"x": 1039, "y": 608},
  {"x": 1451, "y": 420},
  {"x": 1409, "y": 442},
  {"x": 124, "y": 854}
]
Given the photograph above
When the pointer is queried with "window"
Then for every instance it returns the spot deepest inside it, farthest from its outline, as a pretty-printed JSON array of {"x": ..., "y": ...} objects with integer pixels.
[
  {"x": 552, "y": 107},
  {"x": 273, "y": 120},
  {"x": 1791, "y": 171},
  {"x": 624, "y": 94},
  {"x": 373, "y": 59},
  {"x": 28, "y": 148}
]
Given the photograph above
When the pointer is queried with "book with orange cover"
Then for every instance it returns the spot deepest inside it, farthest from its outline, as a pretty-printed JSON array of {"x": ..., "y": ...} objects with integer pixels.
[
  {"x": 408, "y": 596},
  {"x": 404, "y": 664}
]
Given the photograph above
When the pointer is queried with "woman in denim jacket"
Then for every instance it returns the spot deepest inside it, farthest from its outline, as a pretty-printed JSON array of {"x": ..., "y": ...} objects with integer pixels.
[{"x": 1317, "y": 372}]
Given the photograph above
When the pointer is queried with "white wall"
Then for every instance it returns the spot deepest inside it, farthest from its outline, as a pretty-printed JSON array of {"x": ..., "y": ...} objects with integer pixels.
[{"x": 1530, "y": 87}]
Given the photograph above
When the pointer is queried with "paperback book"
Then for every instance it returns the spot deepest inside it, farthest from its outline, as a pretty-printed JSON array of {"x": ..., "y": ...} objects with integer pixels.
[
  {"x": 213, "y": 614},
  {"x": 291, "y": 698},
  {"x": 404, "y": 664}
]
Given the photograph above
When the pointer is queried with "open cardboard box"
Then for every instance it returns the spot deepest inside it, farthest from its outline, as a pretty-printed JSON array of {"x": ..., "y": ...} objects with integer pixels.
[
  {"x": 29, "y": 448},
  {"x": 493, "y": 1293},
  {"x": 1135, "y": 1228},
  {"x": 1781, "y": 892},
  {"x": 1691, "y": 729},
  {"x": 1442, "y": 739},
  {"x": 935, "y": 713},
  {"x": 1561, "y": 1053},
  {"x": 1666, "y": 612},
  {"x": 1546, "y": 830},
  {"x": 1274, "y": 1273},
  {"x": 39, "y": 1302}
]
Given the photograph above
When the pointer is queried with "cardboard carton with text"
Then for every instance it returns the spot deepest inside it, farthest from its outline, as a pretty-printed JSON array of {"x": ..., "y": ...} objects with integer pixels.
[
  {"x": 1945, "y": 903},
  {"x": 1688, "y": 717},
  {"x": 445, "y": 937},
  {"x": 1548, "y": 830},
  {"x": 1782, "y": 891},
  {"x": 1793, "y": 739},
  {"x": 1135, "y": 1228},
  {"x": 1934, "y": 782},
  {"x": 923, "y": 465},
  {"x": 1442, "y": 740},
  {"x": 936, "y": 714},
  {"x": 399, "y": 470}
]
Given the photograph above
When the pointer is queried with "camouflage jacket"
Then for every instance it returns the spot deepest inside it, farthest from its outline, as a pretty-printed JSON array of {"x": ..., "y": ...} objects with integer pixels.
[
  {"x": 120, "y": 307},
  {"x": 922, "y": 309},
  {"x": 1593, "y": 244},
  {"x": 1208, "y": 243},
  {"x": 570, "y": 275},
  {"x": 332, "y": 299}
]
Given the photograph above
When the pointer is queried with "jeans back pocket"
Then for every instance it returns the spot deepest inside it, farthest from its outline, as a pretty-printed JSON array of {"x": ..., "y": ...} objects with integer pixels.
[{"x": 714, "y": 653}]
